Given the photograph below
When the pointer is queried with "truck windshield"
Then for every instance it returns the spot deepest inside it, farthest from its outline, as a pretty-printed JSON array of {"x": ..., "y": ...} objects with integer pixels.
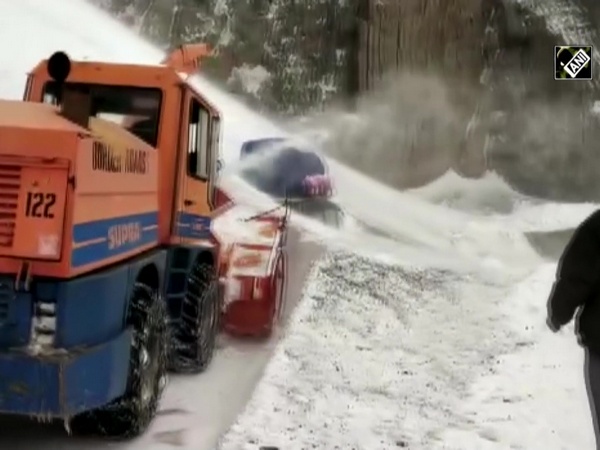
[{"x": 135, "y": 109}]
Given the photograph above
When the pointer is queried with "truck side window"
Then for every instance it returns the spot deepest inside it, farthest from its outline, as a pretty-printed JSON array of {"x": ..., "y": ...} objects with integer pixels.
[
  {"x": 198, "y": 141},
  {"x": 27, "y": 91}
]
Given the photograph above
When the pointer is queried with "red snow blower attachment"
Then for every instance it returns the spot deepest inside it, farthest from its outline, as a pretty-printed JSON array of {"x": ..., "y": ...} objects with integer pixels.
[{"x": 254, "y": 281}]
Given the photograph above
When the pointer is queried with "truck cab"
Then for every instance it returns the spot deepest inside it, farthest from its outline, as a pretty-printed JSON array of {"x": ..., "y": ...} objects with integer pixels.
[{"x": 156, "y": 105}]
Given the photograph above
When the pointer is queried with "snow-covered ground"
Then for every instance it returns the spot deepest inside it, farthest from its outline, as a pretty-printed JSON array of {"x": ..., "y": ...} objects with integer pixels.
[
  {"x": 430, "y": 335},
  {"x": 406, "y": 356}
]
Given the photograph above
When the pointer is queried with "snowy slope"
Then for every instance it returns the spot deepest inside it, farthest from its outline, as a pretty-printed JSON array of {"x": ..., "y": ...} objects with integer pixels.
[
  {"x": 493, "y": 197},
  {"x": 423, "y": 360},
  {"x": 535, "y": 397},
  {"x": 487, "y": 195},
  {"x": 433, "y": 336},
  {"x": 405, "y": 355}
]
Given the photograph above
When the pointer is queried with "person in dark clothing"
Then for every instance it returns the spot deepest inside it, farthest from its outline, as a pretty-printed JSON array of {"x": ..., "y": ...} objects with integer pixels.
[{"x": 576, "y": 292}]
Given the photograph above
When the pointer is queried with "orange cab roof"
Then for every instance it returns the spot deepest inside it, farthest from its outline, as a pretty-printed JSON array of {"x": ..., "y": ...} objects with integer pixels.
[
  {"x": 115, "y": 74},
  {"x": 118, "y": 74}
]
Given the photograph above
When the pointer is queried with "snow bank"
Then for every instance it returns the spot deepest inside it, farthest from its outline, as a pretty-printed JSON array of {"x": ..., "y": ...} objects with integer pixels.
[
  {"x": 377, "y": 357},
  {"x": 493, "y": 197},
  {"x": 534, "y": 397},
  {"x": 487, "y": 195},
  {"x": 529, "y": 217}
]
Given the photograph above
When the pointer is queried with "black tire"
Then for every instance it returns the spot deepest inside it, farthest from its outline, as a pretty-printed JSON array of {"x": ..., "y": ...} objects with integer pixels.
[
  {"x": 195, "y": 335},
  {"x": 130, "y": 415}
]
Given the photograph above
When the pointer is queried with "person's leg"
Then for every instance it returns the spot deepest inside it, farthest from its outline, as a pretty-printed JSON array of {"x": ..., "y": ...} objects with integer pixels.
[{"x": 592, "y": 384}]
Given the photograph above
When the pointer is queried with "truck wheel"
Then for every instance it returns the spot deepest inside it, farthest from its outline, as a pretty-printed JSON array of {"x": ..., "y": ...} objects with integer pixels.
[
  {"x": 131, "y": 414},
  {"x": 197, "y": 330}
]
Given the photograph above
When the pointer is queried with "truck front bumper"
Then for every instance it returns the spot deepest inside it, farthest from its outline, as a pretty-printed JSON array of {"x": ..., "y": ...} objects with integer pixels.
[{"x": 64, "y": 383}]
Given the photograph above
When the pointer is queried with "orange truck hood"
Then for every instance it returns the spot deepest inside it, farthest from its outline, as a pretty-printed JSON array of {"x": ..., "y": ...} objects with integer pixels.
[
  {"x": 30, "y": 115},
  {"x": 35, "y": 129}
]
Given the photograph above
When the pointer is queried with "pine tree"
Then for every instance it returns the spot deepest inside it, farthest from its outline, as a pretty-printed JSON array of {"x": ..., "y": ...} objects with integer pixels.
[{"x": 301, "y": 44}]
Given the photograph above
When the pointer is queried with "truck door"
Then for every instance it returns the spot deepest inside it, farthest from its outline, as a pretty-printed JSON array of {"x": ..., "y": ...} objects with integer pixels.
[{"x": 195, "y": 193}]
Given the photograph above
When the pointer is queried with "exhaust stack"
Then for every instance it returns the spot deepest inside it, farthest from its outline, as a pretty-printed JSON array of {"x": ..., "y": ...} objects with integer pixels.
[{"x": 75, "y": 100}]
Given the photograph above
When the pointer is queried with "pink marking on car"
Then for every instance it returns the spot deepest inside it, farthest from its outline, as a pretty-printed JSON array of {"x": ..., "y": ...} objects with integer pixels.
[{"x": 317, "y": 185}]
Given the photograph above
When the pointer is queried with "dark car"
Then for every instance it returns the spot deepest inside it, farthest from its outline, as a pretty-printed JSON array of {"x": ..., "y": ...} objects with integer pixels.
[{"x": 285, "y": 171}]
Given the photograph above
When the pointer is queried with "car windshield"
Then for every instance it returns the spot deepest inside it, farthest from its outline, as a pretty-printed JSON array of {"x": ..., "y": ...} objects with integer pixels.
[{"x": 134, "y": 108}]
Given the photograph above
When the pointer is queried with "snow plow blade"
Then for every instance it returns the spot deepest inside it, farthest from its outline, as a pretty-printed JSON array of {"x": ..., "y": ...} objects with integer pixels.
[{"x": 253, "y": 274}]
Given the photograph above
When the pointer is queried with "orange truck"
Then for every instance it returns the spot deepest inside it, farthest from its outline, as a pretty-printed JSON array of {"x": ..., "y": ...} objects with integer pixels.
[{"x": 112, "y": 272}]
